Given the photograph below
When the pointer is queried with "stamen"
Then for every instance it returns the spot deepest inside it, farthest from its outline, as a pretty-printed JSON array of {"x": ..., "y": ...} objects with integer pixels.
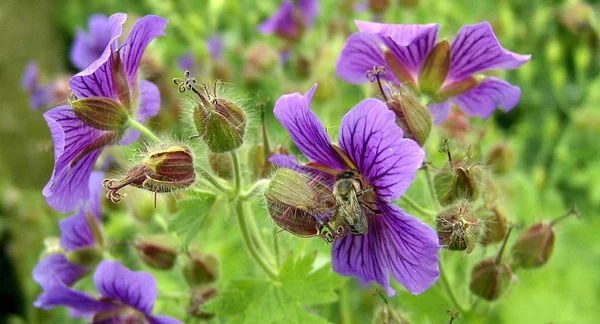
[
  {"x": 446, "y": 149},
  {"x": 374, "y": 75}
]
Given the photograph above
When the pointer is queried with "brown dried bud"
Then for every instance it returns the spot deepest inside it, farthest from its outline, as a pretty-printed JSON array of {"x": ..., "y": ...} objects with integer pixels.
[
  {"x": 457, "y": 228},
  {"x": 155, "y": 254},
  {"x": 490, "y": 277},
  {"x": 201, "y": 269}
]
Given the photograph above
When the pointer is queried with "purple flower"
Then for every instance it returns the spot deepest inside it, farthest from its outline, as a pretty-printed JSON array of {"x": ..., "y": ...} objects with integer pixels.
[
  {"x": 186, "y": 63},
  {"x": 215, "y": 46},
  {"x": 112, "y": 76},
  {"x": 88, "y": 47},
  {"x": 370, "y": 143},
  {"x": 445, "y": 73},
  {"x": 39, "y": 96},
  {"x": 125, "y": 296},
  {"x": 78, "y": 231},
  {"x": 291, "y": 21}
]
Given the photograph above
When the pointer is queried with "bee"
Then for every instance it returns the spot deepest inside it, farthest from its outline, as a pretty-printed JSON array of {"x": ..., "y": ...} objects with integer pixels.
[{"x": 348, "y": 209}]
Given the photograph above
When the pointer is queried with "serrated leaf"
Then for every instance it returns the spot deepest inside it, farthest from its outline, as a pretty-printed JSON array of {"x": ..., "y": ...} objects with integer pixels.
[
  {"x": 192, "y": 212},
  {"x": 265, "y": 301}
]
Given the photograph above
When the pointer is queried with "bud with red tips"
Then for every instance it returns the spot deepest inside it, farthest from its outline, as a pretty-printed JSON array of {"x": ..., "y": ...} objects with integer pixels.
[
  {"x": 457, "y": 227},
  {"x": 490, "y": 277},
  {"x": 495, "y": 227},
  {"x": 459, "y": 179},
  {"x": 156, "y": 254},
  {"x": 534, "y": 247},
  {"x": 293, "y": 200},
  {"x": 201, "y": 269},
  {"x": 163, "y": 170}
]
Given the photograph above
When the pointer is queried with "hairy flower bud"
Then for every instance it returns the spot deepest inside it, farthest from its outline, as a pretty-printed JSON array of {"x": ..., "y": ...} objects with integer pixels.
[
  {"x": 495, "y": 227},
  {"x": 501, "y": 158},
  {"x": 201, "y": 269},
  {"x": 293, "y": 199},
  {"x": 220, "y": 123},
  {"x": 457, "y": 228},
  {"x": 101, "y": 113},
  {"x": 534, "y": 247},
  {"x": 459, "y": 179},
  {"x": 156, "y": 254},
  {"x": 163, "y": 170},
  {"x": 490, "y": 277}
]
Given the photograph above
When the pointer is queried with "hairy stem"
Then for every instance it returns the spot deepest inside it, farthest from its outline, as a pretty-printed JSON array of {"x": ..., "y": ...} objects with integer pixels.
[
  {"x": 237, "y": 185},
  {"x": 212, "y": 180},
  {"x": 448, "y": 288},
  {"x": 244, "y": 195},
  {"x": 143, "y": 130}
]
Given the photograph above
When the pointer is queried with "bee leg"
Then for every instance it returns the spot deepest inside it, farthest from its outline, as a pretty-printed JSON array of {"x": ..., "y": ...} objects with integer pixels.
[
  {"x": 372, "y": 210},
  {"x": 364, "y": 191}
]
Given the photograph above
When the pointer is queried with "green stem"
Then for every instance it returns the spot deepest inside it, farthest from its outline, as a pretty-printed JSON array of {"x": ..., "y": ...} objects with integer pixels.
[
  {"x": 237, "y": 185},
  {"x": 244, "y": 195},
  {"x": 212, "y": 180},
  {"x": 241, "y": 219},
  {"x": 142, "y": 129},
  {"x": 430, "y": 184},
  {"x": 256, "y": 236},
  {"x": 276, "y": 247},
  {"x": 448, "y": 289},
  {"x": 414, "y": 205}
]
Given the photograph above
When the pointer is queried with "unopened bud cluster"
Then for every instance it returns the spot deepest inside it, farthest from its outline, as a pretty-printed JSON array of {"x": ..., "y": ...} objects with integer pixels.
[{"x": 459, "y": 179}]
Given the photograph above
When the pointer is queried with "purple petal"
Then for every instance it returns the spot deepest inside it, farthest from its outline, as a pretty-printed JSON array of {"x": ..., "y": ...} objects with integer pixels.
[
  {"x": 396, "y": 244},
  {"x": 30, "y": 79},
  {"x": 409, "y": 44},
  {"x": 96, "y": 79},
  {"x": 439, "y": 111},
  {"x": 134, "y": 288},
  {"x": 57, "y": 293},
  {"x": 305, "y": 129},
  {"x": 142, "y": 33},
  {"x": 186, "y": 63},
  {"x": 487, "y": 96},
  {"x": 96, "y": 193},
  {"x": 163, "y": 320},
  {"x": 215, "y": 47},
  {"x": 282, "y": 22},
  {"x": 76, "y": 148},
  {"x": 476, "y": 49},
  {"x": 57, "y": 266},
  {"x": 359, "y": 55},
  {"x": 39, "y": 96},
  {"x": 88, "y": 47},
  {"x": 373, "y": 141},
  {"x": 309, "y": 9},
  {"x": 148, "y": 106},
  {"x": 75, "y": 231}
]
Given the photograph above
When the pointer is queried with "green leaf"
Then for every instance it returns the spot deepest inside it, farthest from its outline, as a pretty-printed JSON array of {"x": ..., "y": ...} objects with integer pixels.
[
  {"x": 264, "y": 301},
  {"x": 190, "y": 217}
]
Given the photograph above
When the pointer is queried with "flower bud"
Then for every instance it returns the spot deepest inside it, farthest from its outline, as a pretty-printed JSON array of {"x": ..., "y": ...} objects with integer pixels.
[
  {"x": 221, "y": 164},
  {"x": 261, "y": 59},
  {"x": 534, "y": 247},
  {"x": 495, "y": 227},
  {"x": 411, "y": 116},
  {"x": 378, "y": 6},
  {"x": 457, "y": 228},
  {"x": 501, "y": 158},
  {"x": 220, "y": 123},
  {"x": 434, "y": 69},
  {"x": 459, "y": 179},
  {"x": 490, "y": 277},
  {"x": 164, "y": 170},
  {"x": 293, "y": 199},
  {"x": 201, "y": 269},
  {"x": 200, "y": 296},
  {"x": 155, "y": 254},
  {"x": 86, "y": 256},
  {"x": 386, "y": 314},
  {"x": 101, "y": 113}
]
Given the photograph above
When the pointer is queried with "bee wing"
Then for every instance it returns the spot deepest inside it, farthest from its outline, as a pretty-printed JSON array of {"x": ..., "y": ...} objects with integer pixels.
[{"x": 352, "y": 213}]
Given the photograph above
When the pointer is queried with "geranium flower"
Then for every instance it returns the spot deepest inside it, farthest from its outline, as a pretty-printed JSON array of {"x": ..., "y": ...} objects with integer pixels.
[
  {"x": 370, "y": 143},
  {"x": 111, "y": 80},
  {"x": 78, "y": 232},
  {"x": 125, "y": 296},
  {"x": 290, "y": 20},
  {"x": 88, "y": 47},
  {"x": 447, "y": 74}
]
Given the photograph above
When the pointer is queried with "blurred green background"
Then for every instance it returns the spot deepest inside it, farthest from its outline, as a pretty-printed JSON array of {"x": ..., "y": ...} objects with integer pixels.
[{"x": 553, "y": 133}]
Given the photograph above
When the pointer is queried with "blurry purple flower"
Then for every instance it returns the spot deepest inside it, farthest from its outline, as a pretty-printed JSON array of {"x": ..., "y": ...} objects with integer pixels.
[
  {"x": 371, "y": 143},
  {"x": 186, "y": 63},
  {"x": 76, "y": 232},
  {"x": 112, "y": 76},
  {"x": 290, "y": 21},
  {"x": 446, "y": 73},
  {"x": 125, "y": 296},
  {"x": 39, "y": 96},
  {"x": 215, "y": 47},
  {"x": 87, "y": 47}
]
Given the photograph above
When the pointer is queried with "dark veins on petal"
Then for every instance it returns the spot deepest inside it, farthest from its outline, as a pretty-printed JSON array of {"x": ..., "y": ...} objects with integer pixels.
[{"x": 467, "y": 55}]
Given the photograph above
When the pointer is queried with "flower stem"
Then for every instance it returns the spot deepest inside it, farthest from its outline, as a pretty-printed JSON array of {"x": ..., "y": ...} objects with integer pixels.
[
  {"x": 276, "y": 247},
  {"x": 237, "y": 185},
  {"x": 241, "y": 219},
  {"x": 414, "y": 205},
  {"x": 448, "y": 288},
  {"x": 142, "y": 129},
  {"x": 244, "y": 195},
  {"x": 212, "y": 180},
  {"x": 430, "y": 184}
]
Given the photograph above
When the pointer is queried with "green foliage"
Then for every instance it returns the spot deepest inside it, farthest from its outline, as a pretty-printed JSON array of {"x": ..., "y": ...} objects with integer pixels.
[
  {"x": 282, "y": 300},
  {"x": 191, "y": 215}
]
